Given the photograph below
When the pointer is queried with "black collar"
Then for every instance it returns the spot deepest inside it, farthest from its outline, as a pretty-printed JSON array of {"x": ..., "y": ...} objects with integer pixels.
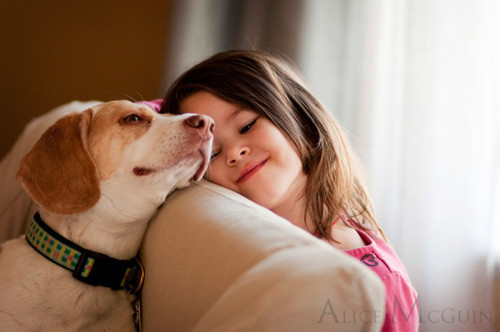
[{"x": 88, "y": 266}]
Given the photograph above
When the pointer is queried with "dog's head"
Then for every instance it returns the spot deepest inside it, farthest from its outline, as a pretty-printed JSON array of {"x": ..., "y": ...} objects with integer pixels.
[{"x": 122, "y": 148}]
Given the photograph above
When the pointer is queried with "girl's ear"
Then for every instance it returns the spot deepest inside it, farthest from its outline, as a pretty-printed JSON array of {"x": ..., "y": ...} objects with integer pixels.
[{"x": 59, "y": 173}]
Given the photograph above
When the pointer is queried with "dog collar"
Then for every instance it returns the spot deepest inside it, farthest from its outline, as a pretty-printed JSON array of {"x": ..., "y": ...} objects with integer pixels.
[{"x": 88, "y": 266}]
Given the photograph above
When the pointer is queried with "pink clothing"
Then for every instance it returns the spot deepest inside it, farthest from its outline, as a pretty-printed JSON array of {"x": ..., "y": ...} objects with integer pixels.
[
  {"x": 401, "y": 298},
  {"x": 154, "y": 104}
]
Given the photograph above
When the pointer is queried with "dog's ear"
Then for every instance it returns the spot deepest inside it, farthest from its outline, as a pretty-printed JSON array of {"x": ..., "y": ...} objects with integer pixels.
[{"x": 59, "y": 173}]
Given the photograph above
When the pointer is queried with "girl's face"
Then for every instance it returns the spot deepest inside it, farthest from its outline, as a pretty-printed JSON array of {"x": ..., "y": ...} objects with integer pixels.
[{"x": 250, "y": 154}]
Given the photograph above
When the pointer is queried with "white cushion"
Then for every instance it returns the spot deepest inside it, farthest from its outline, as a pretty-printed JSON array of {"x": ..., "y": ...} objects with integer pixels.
[{"x": 216, "y": 261}]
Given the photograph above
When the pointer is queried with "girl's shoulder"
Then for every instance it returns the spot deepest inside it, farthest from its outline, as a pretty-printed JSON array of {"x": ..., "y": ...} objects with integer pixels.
[{"x": 377, "y": 254}]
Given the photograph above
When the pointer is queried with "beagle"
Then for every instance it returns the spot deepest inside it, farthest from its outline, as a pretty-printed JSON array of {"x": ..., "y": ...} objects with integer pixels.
[{"x": 98, "y": 177}]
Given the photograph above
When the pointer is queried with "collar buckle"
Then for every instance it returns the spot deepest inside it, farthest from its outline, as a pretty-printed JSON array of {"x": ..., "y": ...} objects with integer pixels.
[{"x": 136, "y": 280}]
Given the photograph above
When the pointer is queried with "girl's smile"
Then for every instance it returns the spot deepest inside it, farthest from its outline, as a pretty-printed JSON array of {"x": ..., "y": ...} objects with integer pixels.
[
  {"x": 251, "y": 155},
  {"x": 251, "y": 169}
]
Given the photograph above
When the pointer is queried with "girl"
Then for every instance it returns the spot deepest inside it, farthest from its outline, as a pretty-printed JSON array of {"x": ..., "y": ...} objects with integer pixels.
[{"x": 277, "y": 145}]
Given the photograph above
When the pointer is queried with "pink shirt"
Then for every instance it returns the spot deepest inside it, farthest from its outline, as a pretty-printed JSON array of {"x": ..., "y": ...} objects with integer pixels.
[{"x": 401, "y": 298}]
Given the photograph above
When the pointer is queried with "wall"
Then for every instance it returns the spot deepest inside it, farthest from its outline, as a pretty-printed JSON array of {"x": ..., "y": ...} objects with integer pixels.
[{"x": 52, "y": 52}]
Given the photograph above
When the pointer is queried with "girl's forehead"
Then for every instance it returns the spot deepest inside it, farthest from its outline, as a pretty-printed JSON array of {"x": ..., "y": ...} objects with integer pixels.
[{"x": 220, "y": 110}]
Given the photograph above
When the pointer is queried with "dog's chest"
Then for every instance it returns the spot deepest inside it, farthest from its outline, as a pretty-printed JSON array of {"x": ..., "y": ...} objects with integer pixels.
[{"x": 39, "y": 294}]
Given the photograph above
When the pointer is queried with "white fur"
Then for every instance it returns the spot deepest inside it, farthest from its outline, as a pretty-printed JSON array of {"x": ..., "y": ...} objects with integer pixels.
[{"x": 38, "y": 295}]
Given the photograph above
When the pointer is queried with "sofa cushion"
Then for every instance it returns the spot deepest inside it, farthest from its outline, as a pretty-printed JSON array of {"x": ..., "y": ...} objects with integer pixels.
[{"x": 216, "y": 261}]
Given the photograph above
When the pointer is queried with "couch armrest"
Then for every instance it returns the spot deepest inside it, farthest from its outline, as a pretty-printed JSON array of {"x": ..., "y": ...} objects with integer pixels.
[{"x": 216, "y": 261}]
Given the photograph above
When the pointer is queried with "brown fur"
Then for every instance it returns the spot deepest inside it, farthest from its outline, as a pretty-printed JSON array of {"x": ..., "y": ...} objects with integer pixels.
[{"x": 61, "y": 156}]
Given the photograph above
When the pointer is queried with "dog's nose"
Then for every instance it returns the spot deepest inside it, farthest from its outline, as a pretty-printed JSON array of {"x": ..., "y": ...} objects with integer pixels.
[{"x": 200, "y": 121}]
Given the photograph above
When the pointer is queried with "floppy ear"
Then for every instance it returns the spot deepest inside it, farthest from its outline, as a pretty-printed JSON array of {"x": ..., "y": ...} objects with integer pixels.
[{"x": 59, "y": 173}]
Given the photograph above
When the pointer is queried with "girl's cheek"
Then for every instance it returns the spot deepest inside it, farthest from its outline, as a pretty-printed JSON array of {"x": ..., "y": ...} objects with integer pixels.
[
  {"x": 210, "y": 173},
  {"x": 215, "y": 174}
]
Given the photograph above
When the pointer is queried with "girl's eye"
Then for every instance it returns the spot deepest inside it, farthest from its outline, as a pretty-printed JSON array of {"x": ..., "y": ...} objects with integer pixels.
[
  {"x": 215, "y": 154},
  {"x": 132, "y": 118},
  {"x": 248, "y": 126}
]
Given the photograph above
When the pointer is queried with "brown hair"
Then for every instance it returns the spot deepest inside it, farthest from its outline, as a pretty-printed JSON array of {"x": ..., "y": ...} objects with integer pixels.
[{"x": 268, "y": 85}]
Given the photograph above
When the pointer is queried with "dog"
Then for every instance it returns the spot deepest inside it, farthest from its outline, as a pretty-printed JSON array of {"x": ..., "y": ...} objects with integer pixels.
[{"x": 98, "y": 177}]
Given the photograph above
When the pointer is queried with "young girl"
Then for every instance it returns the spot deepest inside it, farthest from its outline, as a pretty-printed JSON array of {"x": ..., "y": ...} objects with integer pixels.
[{"x": 277, "y": 145}]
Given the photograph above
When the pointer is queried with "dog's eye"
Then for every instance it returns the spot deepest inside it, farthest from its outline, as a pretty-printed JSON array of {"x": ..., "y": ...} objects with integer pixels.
[{"x": 132, "y": 118}]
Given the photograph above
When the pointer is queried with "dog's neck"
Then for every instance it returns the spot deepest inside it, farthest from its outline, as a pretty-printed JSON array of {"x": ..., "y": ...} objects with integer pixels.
[{"x": 114, "y": 228}]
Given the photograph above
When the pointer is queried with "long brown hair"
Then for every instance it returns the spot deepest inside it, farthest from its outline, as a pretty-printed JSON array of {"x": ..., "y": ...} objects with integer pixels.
[{"x": 270, "y": 86}]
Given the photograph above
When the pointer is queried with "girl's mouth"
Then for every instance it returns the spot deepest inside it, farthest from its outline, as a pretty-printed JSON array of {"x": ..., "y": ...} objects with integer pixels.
[{"x": 250, "y": 170}]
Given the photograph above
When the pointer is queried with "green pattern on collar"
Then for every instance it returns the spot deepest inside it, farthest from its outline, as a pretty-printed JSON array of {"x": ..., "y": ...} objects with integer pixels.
[
  {"x": 55, "y": 250},
  {"x": 87, "y": 266}
]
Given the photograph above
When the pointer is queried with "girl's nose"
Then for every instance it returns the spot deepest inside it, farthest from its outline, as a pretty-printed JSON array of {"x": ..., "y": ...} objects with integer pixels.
[{"x": 237, "y": 154}]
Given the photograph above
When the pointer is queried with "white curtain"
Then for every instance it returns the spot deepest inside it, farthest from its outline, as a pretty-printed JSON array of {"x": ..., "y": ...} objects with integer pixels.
[
  {"x": 416, "y": 84},
  {"x": 424, "y": 108}
]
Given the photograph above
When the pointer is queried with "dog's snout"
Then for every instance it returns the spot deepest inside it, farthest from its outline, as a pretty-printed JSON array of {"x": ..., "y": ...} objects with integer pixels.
[{"x": 201, "y": 122}]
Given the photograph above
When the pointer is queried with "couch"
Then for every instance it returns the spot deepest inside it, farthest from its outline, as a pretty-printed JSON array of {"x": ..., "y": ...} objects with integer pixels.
[{"x": 216, "y": 261}]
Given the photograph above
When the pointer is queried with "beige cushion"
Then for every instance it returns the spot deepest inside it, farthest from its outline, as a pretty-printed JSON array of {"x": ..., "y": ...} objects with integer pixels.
[{"x": 216, "y": 261}]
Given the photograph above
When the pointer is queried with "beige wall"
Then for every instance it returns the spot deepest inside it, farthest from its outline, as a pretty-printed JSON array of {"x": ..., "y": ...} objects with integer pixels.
[{"x": 52, "y": 52}]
